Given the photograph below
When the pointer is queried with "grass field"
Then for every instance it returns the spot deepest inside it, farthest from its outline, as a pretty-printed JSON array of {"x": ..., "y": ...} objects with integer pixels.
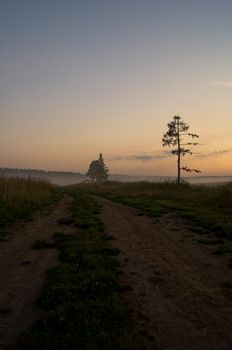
[
  {"x": 81, "y": 298},
  {"x": 208, "y": 209},
  {"x": 21, "y": 197}
]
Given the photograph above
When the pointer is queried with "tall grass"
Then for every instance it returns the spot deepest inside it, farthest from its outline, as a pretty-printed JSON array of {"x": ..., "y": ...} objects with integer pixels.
[{"x": 20, "y": 197}]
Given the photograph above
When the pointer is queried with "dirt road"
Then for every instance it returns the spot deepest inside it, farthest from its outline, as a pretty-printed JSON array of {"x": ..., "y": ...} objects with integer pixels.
[
  {"x": 23, "y": 271},
  {"x": 181, "y": 296}
]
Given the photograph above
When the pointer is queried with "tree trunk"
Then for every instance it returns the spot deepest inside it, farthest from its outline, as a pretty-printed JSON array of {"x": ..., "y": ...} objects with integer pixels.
[
  {"x": 178, "y": 165},
  {"x": 178, "y": 159}
]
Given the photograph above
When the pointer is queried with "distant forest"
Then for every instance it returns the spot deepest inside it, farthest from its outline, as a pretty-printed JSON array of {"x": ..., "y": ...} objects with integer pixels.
[{"x": 58, "y": 177}]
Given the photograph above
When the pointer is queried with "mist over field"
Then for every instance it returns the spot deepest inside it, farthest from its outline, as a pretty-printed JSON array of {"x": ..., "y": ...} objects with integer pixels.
[
  {"x": 64, "y": 180},
  {"x": 69, "y": 178}
]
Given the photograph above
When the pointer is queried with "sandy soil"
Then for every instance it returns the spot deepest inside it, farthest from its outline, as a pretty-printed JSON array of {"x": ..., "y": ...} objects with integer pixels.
[
  {"x": 23, "y": 271},
  {"x": 178, "y": 297}
]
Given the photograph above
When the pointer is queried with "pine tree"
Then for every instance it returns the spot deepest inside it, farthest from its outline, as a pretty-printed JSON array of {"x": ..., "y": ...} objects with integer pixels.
[
  {"x": 177, "y": 130},
  {"x": 98, "y": 172}
]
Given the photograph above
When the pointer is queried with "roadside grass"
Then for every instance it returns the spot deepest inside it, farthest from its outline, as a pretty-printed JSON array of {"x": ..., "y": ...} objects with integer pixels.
[
  {"x": 207, "y": 209},
  {"x": 21, "y": 197},
  {"x": 81, "y": 298}
]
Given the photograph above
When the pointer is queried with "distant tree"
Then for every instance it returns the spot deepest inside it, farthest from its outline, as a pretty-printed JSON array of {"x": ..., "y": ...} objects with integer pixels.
[
  {"x": 98, "y": 172},
  {"x": 177, "y": 131}
]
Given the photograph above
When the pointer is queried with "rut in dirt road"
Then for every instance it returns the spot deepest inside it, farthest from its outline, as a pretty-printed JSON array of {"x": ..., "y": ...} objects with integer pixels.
[
  {"x": 23, "y": 271},
  {"x": 177, "y": 297}
]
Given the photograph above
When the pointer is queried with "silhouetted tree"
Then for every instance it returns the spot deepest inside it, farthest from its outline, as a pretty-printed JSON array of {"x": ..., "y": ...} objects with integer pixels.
[
  {"x": 177, "y": 130},
  {"x": 98, "y": 172}
]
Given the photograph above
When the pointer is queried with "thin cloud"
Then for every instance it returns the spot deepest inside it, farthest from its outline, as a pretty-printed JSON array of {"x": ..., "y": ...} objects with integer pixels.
[
  {"x": 213, "y": 154},
  {"x": 143, "y": 157},
  {"x": 164, "y": 155},
  {"x": 222, "y": 84}
]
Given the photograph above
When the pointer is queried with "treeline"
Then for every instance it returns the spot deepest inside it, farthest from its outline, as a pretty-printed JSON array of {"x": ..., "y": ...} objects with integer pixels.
[
  {"x": 35, "y": 172},
  {"x": 62, "y": 178}
]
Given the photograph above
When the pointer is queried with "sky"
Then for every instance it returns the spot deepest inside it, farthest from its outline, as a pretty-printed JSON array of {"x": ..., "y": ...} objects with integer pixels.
[{"x": 80, "y": 77}]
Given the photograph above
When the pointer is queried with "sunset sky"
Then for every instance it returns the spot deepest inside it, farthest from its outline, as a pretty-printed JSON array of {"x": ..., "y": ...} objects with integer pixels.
[{"x": 80, "y": 77}]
